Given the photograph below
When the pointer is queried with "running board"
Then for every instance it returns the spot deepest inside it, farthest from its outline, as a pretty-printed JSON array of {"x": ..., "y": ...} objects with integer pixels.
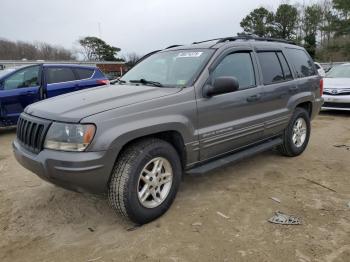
[{"x": 229, "y": 159}]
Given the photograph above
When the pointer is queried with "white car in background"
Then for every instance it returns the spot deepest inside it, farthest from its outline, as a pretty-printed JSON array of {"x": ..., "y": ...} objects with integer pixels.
[
  {"x": 336, "y": 92},
  {"x": 320, "y": 69}
]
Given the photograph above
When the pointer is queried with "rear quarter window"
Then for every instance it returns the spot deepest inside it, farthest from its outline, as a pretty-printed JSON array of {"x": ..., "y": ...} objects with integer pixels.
[
  {"x": 84, "y": 73},
  {"x": 302, "y": 62}
]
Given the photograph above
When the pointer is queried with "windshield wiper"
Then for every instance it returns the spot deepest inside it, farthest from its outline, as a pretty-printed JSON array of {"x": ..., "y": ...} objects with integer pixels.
[
  {"x": 117, "y": 81},
  {"x": 146, "y": 82}
]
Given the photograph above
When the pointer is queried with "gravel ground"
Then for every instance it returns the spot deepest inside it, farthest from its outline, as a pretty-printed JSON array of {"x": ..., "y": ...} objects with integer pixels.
[{"x": 220, "y": 216}]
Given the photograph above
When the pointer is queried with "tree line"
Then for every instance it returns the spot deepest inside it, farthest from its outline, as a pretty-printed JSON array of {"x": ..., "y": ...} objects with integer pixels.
[
  {"x": 322, "y": 27},
  {"x": 91, "y": 49},
  {"x": 19, "y": 50}
]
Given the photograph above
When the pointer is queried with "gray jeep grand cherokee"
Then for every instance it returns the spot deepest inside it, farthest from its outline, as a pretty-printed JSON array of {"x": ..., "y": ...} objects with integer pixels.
[{"x": 185, "y": 109}]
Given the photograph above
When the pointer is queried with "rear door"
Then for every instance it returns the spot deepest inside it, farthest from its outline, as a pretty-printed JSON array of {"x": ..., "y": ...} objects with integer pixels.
[
  {"x": 278, "y": 87},
  {"x": 19, "y": 90},
  {"x": 230, "y": 121},
  {"x": 60, "y": 80}
]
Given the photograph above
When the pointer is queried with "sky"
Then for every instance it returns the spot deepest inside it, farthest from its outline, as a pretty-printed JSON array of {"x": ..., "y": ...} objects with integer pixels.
[{"x": 137, "y": 26}]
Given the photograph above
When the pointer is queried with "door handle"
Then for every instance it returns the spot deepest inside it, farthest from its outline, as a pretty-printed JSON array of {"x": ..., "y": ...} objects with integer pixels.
[
  {"x": 29, "y": 93},
  {"x": 254, "y": 98}
]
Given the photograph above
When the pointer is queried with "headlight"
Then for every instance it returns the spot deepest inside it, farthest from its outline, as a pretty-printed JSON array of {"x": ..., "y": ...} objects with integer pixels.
[{"x": 69, "y": 137}]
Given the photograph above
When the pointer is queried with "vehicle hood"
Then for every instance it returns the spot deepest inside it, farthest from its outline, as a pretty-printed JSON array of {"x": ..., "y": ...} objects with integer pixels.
[
  {"x": 74, "y": 106},
  {"x": 341, "y": 83}
]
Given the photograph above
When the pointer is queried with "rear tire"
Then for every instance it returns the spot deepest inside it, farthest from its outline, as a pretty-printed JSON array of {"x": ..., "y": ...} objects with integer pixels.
[
  {"x": 145, "y": 180},
  {"x": 296, "y": 135}
]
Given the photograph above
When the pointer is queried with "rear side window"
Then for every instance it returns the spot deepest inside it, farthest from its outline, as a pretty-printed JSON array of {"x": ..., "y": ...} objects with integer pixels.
[
  {"x": 286, "y": 70},
  {"x": 238, "y": 65},
  {"x": 59, "y": 75},
  {"x": 302, "y": 62},
  {"x": 271, "y": 67},
  {"x": 84, "y": 73}
]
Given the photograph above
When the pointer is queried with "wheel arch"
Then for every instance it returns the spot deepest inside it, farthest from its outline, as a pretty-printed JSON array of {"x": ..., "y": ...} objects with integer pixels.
[
  {"x": 307, "y": 105},
  {"x": 302, "y": 100},
  {"x": 175, "y": 133},
  {"x": 173, "y": 137}
]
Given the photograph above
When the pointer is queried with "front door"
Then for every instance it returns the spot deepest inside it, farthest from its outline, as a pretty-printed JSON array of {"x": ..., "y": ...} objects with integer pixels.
[
  {"x": 232, "y": 120},
  {"x": 19, "y": 90}
]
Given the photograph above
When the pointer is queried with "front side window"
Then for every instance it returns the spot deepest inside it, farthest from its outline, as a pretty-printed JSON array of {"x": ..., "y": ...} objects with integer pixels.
[
  {"x": 59, "y": 75},
  {"x": 170, "y": 68},
  {"x": 302, "y": 62},
  {"x": 27, "y": 77},
  {"x": 237, "y": 65}
]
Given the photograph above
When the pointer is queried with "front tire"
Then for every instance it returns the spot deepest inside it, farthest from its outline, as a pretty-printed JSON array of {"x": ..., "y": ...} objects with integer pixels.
[
  {"x": 145, "y": 180},
  {"x": 296, "y": 136}
]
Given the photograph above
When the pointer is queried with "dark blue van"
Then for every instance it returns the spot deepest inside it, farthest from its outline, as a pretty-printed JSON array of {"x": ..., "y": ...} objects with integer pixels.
[{"x": 27, "y": 85}]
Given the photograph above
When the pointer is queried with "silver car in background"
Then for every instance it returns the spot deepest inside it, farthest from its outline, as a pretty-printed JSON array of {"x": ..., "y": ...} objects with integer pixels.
[{"x": 336, "y": 91}]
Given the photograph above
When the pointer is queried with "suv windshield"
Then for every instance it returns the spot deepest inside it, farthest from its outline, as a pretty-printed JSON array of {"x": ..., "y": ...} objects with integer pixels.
[
  {"x": 342, "y": 71},
  {"x": 170, "y": 68}
]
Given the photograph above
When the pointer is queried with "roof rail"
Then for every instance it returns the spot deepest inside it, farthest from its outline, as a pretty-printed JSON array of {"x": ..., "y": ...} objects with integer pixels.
[
  {"x": 145, "y": 56},
  {"x": 199, "y": 42},
  {"x": 254, "y": 37},
  {"x": 172, "y": 46},
  {"x": 246, "y": 37}
]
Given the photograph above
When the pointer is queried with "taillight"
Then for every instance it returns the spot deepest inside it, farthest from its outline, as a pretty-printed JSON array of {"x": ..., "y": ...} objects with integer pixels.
[
  {"x": 321, "y": 87},
  {"x": 102, "y": 82}
]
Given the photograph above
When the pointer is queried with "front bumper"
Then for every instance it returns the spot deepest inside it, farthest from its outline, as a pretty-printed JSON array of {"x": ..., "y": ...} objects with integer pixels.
[
  {"x": 77, "y": 171},
  {"x": 336, "y": 102}
]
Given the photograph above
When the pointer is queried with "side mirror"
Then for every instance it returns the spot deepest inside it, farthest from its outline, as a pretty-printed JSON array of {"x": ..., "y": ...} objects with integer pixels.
[{"x": 222, "y": 85}]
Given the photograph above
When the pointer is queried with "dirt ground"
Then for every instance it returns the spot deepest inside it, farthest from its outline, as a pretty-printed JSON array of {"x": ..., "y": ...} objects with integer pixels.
[{"x": 41, "y": 222}]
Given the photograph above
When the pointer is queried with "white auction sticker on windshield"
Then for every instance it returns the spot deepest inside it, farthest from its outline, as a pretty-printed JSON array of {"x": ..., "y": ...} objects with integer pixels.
[{"x": 190, "y": 54}]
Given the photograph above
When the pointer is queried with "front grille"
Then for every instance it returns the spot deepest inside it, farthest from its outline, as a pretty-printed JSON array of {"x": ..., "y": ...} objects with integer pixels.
[
  {"x": 337, "y": 105},
  {"x": 31, "y": 132},
  {"x": 345, "y": 93}
]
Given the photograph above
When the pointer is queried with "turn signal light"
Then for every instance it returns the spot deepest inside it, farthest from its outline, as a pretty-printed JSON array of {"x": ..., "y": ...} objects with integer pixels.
[
  {"x": 321, "y": 87},
  {"x": 102, "y": 82}
]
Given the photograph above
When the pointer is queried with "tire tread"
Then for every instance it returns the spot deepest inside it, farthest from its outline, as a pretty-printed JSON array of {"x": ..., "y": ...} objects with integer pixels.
[
  {"x": 117, "y": 193},
  {"x": 285, "y": 148}
]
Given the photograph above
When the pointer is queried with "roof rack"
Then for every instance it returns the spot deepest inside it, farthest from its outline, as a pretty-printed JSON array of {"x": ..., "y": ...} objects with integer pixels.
[
  {"x": 246, "y": 37},
  {"x": 254, "y": 37}
]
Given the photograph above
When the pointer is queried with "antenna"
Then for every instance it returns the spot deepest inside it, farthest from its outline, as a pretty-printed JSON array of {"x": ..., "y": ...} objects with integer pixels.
[{"x": 99, "y": 30}]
